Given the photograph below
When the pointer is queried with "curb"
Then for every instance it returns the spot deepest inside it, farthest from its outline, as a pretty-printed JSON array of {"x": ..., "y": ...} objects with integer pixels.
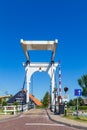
[{"x": 70, "y": 125}]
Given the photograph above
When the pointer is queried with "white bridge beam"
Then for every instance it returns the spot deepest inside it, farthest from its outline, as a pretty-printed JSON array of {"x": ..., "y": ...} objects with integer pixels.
[{"x": 39, "y": 45}]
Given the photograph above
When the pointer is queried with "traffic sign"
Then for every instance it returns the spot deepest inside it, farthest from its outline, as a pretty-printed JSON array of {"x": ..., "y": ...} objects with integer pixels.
[
  {"x": 66, "y": 98},
  {"x": 77, "y": 92}
]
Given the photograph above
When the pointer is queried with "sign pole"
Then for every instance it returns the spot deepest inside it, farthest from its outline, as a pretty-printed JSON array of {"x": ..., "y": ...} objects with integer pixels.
[
  {"x": 78, "y": 93},
  {"x": 77, "y": 106}
]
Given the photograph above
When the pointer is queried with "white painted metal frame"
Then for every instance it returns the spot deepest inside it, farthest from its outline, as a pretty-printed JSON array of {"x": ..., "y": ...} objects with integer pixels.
[
  {"x": 39, "y": 45},
  {"x": 30, "y": 68}
]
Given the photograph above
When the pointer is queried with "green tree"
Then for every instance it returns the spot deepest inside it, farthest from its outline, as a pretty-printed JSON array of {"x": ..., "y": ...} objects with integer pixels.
[
  {"x": 46, "y": 99},
  {"x": 0, "y": 101},
  {"x": 80, "y": 101},
  {"x": 83, "y": 84},
  {"x": 15, "y": 103},
  {"x": 4, "y": 103},
  {"x": 73, "y": 102}
]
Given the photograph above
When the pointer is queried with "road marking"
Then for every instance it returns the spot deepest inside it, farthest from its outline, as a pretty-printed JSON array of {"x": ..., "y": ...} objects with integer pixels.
[
  {"x": 45, "y": 116},
  {"x": 42, "y": 124}
]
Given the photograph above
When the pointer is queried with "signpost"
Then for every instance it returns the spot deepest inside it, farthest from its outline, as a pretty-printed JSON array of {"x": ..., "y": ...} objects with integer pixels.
[
  {"x": 78, "y": 93},
  {"x": 66, "y": 98}
]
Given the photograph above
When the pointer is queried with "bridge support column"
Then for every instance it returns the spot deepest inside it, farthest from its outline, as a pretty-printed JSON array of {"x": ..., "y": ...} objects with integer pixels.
[
  {"x": 27, "y": 85},
  {"x": 51, "y": 72},
  {"x": 53, "y": 87}
]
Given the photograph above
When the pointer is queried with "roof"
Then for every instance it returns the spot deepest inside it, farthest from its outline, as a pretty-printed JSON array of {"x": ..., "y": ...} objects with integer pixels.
[
  {"x": 5, "y": 96},
  {"x": 35, "y": 100},
  {"x": 21, "y": 96}
]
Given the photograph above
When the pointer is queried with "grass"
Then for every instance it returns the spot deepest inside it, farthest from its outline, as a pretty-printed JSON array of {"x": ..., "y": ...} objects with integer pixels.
[{"x": 79, "y": 118}]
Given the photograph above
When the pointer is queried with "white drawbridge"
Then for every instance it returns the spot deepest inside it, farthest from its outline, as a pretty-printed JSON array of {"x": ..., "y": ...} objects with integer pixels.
[{"x": 30, "y": 67}]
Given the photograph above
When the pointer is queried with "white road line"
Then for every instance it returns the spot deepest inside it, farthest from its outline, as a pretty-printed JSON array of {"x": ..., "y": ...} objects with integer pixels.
[{"x": 42, "y": 124}]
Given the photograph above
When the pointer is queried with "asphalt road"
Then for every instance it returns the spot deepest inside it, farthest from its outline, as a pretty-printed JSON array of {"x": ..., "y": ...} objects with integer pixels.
[{"x": 32, "y": 120}]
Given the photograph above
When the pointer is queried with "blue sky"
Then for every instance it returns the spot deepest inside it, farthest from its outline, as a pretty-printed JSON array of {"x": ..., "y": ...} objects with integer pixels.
[{"x": 65, "y": 20}]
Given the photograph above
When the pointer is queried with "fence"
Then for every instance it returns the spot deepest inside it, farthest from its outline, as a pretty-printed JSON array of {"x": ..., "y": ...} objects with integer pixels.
[{"x": 10, "y": 109}]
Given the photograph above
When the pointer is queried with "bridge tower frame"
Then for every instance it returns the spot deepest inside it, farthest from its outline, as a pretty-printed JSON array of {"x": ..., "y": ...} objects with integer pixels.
[{"x": 31, "y": 67}]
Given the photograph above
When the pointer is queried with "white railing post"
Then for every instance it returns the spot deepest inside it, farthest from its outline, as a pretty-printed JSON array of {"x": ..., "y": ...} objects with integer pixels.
[{"x": 5, "y": 110}]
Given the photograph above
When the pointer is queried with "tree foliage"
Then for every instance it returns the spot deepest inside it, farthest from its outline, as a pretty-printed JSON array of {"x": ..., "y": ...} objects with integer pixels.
[
  {"x": 73, "y": 102},
  {"x": 83, "y": 84},
  {"x": 46, "y": 99},
  {"x": 3, "y": 102}
]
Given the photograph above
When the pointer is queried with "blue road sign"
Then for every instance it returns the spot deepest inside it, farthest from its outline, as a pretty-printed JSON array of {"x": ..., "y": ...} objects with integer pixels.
[{"x": 78, "y": 92}]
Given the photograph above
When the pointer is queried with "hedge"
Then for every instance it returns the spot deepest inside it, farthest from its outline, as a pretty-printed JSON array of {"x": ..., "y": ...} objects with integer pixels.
[{"x": 82, "y": 107}]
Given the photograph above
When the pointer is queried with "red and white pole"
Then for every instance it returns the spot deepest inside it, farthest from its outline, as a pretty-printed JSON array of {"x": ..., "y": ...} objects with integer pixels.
[{"x": 60, "y": 86}]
